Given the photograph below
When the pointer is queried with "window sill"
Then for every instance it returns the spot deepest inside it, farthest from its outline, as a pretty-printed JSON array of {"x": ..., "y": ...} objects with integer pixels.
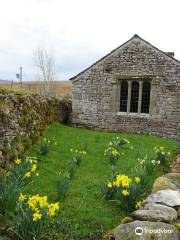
[{"x": 139, "y": 115}]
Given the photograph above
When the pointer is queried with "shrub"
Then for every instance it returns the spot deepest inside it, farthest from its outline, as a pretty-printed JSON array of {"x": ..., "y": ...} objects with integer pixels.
[{"x": 33, "y": 214}]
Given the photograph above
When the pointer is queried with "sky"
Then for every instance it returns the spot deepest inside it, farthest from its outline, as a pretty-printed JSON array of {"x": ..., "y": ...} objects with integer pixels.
[{"x": 79, "y": 32}]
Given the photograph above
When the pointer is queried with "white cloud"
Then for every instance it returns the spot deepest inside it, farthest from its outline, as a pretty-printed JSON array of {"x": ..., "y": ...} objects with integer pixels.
[{"x": 81, "y": 31}]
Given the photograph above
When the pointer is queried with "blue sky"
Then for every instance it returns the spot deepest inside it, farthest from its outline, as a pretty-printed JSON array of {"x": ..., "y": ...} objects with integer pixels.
[{"x": 79, "y": 32}]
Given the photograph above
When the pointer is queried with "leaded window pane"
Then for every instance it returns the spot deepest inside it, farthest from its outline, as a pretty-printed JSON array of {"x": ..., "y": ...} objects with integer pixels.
[
  {"x": 123, "y": 96},
  {"x": 145, "y": 97},
  {"x": 134, "y": 97}
]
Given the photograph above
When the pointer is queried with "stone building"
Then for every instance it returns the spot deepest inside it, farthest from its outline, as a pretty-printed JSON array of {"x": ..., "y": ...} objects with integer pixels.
[{"x": 134, "y": 88}]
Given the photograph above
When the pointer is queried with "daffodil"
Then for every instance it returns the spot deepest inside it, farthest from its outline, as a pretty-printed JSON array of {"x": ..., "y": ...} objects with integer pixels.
[
  {"x": 18, "y": 161},
  {"x": 37, "y": 216},
  {"x": 125, "y": 193},
  {"x": 137, "y": 179},
  {"x": 42, "y": 201},
  {"x": 109, "y": 185},
  {"x": 33, "y": 168},
  {"x": 22, "y": 197},
  {"x": 138, "y": 204},
  {"x": 52, "y": 208},
  {"x": 28, "y": 174}
]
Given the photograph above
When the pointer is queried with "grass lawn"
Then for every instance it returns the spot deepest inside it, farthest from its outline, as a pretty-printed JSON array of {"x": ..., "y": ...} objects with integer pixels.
[{"x": 85, "y": 214}]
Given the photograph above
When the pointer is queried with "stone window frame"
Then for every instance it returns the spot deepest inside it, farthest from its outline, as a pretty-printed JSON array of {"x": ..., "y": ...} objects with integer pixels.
[{"x": 130, "y": 79}]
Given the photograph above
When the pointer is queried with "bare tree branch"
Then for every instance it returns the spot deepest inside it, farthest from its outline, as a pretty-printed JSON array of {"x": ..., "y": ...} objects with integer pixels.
[{"x": 44, "y": 61}]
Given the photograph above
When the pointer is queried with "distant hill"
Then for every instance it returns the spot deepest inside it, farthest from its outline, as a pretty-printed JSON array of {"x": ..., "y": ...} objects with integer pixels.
[
  {"x": 5, "y": 81},
  {"x": 57, "y": 88}
]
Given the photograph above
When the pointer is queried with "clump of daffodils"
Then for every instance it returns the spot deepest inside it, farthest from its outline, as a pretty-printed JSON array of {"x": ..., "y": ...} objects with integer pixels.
[
  {"x": 161, "y": 150},
  {"x": 162, "y": 155},
  {"x": 143, "y": 161},
  {"x": 27, "y": 167},
  {"x": 111, "y": 150},
  {"x": 50, "y": 141},
  {"x": 76, "y": 151},
  {"x": 77, "y": 158},
  {"x": 32, "y": 167},
  {"x": 118, "y": 142},
  {"x": 113, "y": 154},
  {"x": 125, "y": 191},
  {"x": 114, "y": 148},
  {"x": 123, "y": 181},
  {"x": 38, "y": 206}
]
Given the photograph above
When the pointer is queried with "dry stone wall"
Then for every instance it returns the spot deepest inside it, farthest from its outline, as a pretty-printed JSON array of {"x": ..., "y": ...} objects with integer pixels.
[
  {"x": 22, "y": 119},
  {"x": 95, "y": 91},
  {"x": 159, "y": 218}
]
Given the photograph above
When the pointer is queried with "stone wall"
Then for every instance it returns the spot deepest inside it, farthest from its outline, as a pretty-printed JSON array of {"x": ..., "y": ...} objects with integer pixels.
[
  {"x": 22, "y": 119},
  {"x": 95, "y": 91}
]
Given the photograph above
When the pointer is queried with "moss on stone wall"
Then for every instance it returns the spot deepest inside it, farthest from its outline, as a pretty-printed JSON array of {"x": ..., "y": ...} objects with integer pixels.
[{"x": 22, "y": 119}]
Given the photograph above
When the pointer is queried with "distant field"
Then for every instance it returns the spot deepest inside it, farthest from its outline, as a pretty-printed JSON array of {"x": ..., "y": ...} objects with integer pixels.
[{"x": 57, "y": 88}]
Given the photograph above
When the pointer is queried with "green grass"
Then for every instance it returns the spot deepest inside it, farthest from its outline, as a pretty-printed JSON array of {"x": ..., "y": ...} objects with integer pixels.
[{"x": 85, "y": 214}]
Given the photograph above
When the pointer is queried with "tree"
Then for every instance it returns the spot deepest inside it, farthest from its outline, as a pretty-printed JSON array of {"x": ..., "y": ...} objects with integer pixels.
[{"x": 44, "y": 61}]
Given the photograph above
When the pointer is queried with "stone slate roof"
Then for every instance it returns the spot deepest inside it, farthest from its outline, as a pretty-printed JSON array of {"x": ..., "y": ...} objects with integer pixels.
[{"x": 135, "y": 36}]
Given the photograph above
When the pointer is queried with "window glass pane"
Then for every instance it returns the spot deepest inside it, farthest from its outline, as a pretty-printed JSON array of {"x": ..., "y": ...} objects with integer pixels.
[
  {"x": 134, "y": 97},
  {"x": 145, "y": 97},
  {"x": 123, "y": 96}
]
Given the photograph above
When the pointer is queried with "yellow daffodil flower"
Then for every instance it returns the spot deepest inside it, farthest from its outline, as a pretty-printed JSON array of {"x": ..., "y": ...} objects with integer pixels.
[
  {"x": 138, "y": 204},
  {"x": 109, "y": 185},
  {"x": 137, "y": 179},
  {"x": 33, "y": 168},
  {"x": 52, "y": 208},
  {"x": 125, "y": 193},
  {"x": 28, "y": 174},
  {"x": 37, "y": 216},
  {"x": 22, "y": 197},
  {"x": 18, "y": 161}
]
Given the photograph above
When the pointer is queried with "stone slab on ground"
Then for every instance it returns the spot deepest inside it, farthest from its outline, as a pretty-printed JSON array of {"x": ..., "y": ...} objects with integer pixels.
[
  {"x": 155, "y": 212},
  {"x": 154, "y": 216},
  {"x": 167, "y": 197},
  {"x": 146, "y": 230}
]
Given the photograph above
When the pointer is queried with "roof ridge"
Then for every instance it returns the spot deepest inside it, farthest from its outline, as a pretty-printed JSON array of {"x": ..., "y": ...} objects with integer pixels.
[{"x": 134, "y": 36}]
